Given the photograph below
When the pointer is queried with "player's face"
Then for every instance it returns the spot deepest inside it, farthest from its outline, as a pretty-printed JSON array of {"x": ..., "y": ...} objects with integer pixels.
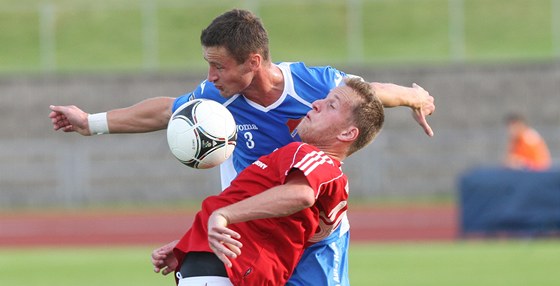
[
  {"x": 225, "y": 72},
  {"x": 328, "y": 118}
]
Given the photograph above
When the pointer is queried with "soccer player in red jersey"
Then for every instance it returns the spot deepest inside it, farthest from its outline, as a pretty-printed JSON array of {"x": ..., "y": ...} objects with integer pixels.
[{"x": 259, "y": 227}]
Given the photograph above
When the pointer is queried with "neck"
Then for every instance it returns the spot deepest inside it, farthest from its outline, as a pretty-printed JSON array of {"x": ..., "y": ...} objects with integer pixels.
[
  {"x": 334, "y": 151},
  {"x": 267, "y": 86}
]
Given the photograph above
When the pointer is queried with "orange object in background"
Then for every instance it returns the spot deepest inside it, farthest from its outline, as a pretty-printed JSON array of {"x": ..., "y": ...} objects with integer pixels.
[{"x": 527, "y": 149}]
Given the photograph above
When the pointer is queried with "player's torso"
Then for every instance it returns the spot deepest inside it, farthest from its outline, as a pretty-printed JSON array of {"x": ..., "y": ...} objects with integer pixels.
[
  {"x": 287, "y": 235},
  {"x": 310, "y": 225},
  {"x": 262, "y": 129}
]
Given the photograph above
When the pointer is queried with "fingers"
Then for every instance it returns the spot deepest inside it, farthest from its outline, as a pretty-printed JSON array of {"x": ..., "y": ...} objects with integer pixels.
[
  {"x": 224, "y": 251},
  {"x": 164, "y": 270},
  {"x": 421, "y": 119},
  {"x": 167, "y": 270},
  {"x": 427, "y": 129},
  {"x": 224, "y": 259},
  {"x": 225, "y": 244},
  {"x": 59, "y": 120},
  {"x": 158, "y": 260},
  {"x": 164, "y": 260},
  {"x": 68, "y": 128},
  {"x": 417, "y": 86},
  {"x": 228, "y": 247},
  {"x": 223, "y": 241},
  {"x": 226, "y": 236},
  {"x": 234, "y": 248},
  {"x": 427, "y": 107},
  {"x": 229, "y": 235}
]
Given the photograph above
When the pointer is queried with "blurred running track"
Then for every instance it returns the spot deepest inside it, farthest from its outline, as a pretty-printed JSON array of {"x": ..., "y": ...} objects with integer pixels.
[{"x": 71, "y": 228}]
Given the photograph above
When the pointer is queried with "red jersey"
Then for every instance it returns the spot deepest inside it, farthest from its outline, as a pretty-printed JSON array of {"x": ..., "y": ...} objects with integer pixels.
[{"x": 272, "y": 247}]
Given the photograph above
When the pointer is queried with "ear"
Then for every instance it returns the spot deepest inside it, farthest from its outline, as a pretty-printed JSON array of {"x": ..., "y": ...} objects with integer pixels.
[
  {"x": 254, "y": 61},
  {"x": 349, "y": 134}
]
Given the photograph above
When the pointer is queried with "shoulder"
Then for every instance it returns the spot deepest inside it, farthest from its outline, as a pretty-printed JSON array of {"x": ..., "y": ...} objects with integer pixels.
[
  {"x": 309, "y": 158},
  {"x": 310, "y": 83},
  {"x": 297, "y": 147},
  {"x": 531, "y": 137},
  {"x": 301, "y": 69},
  {"x": 205, "y": 90},
  {"x": 291, "y": 153}
]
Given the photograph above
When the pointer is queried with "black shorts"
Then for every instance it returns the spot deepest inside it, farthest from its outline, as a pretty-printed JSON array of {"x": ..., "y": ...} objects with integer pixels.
[{"x": 202, "y": 264}]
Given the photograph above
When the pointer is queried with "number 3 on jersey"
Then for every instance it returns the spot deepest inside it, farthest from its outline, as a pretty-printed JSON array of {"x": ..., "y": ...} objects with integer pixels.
[{"x": 249, "y": 137}]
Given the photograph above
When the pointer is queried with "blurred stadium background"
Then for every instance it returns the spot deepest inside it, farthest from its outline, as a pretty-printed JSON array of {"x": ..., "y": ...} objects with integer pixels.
[{"x": 480, "y": 59}]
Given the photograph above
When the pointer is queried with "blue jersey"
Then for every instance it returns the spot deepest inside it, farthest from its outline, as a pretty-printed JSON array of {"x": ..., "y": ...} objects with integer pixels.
[{"x": 261, "y": 130}]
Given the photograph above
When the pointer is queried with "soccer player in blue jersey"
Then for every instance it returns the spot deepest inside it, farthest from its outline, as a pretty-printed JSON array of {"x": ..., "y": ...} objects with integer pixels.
[{"x": 267, "y": 100}]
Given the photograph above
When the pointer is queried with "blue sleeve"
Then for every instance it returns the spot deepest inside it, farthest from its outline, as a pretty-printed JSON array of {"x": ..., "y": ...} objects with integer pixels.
[
  {"x": 327, "y": 75},
  {"x": 314, "y": 83},
  {"x": 180, "y": 101}
]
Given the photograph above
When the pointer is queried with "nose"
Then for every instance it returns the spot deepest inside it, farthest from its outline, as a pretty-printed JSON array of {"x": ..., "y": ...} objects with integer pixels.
[
  {"x": 316, "y": 105},
  {"x": 212, "y": 74}
]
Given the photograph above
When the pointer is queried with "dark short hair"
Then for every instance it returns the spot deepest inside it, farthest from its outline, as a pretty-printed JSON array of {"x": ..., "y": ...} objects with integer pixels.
[
  {"x": 368, "y": 114},
  {"x": 514, "y": 117},
  {"x": 240, "y": 32}
]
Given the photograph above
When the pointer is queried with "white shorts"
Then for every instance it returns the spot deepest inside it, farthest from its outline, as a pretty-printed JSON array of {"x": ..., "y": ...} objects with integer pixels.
[{"x": 204, "y": 281}]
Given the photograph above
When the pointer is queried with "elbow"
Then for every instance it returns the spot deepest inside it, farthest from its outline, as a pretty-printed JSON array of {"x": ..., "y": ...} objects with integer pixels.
[{"x": 307, "y": 200}]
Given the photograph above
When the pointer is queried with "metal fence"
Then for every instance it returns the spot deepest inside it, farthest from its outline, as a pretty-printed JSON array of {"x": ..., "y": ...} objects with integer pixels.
[{"x": 50, "y": 16}]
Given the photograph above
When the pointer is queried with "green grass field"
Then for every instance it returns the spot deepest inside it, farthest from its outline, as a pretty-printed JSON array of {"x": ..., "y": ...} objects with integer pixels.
[
  {"x": 476, "y": 263},
  {"x": 115, "y": 35}
]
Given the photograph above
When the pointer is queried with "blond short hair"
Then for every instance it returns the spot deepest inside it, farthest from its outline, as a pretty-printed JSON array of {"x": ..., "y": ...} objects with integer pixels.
[{"x": 367, "y": 114}]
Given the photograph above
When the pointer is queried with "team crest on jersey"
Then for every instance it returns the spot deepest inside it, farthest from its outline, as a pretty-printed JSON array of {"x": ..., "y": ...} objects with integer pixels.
[{"x": 292, "y": 126}]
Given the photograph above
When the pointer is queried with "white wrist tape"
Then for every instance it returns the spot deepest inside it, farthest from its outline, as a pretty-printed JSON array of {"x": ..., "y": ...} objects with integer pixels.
[{"x": 98, "y": 123}]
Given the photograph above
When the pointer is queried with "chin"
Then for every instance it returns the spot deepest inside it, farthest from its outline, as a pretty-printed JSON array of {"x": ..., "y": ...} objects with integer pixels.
[
  {"x": 226, "y": 94},
  {"x": 303, "y": 136}
]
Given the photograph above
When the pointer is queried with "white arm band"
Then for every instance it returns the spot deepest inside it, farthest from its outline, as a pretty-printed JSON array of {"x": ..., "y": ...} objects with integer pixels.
[{"x": 98, "y": 123}]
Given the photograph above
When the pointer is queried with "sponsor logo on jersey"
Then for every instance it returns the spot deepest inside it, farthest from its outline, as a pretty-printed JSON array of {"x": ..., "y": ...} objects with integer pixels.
[
  {"x": 260, "y": 164},
  {"x": 202, "y": 86},
  {"x": 247, "y": 127}
]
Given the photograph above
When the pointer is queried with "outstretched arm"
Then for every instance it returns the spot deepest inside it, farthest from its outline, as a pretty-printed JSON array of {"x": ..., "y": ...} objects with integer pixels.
[
  {"x": 415, "y": 97},
  {"x": 295, "y": 195},
  {"x": 146, "y": 116}
]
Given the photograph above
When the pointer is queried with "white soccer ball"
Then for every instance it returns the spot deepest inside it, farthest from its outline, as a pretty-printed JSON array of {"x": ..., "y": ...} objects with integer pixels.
[{"x": 201, "y": 133}]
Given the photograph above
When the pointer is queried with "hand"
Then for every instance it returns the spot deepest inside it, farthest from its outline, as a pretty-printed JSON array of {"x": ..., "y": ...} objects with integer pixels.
[
  {"x": 69, "y": 119},
  {"x": 164, "y": 260},
  {"x": 223, "y": 241},
  {"x": 424, "y": 107}
]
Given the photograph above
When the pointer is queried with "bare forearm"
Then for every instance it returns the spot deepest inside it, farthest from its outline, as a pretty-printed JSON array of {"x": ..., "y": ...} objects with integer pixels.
[
  {"x": 277, "y": 202},
  {"x": 392, "y": 95},
  {"x": 148, "y": 115}
]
